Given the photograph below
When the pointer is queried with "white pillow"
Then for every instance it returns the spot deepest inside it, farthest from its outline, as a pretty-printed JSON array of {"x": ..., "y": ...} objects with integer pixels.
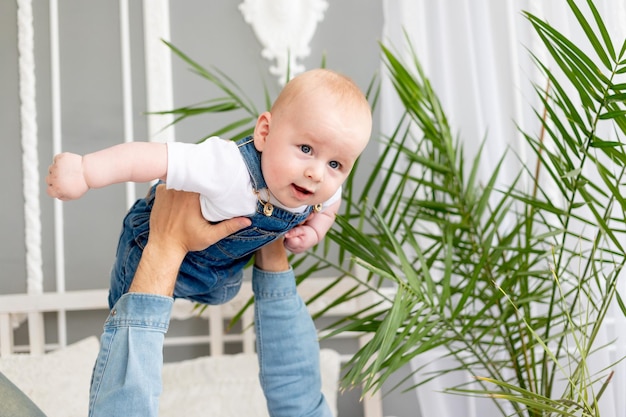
[
  {"x": 58, "y": 382},
  {"x": 228, "y": 386}
]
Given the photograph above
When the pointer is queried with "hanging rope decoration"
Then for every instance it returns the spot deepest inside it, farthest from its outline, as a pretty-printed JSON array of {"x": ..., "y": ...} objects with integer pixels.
[{"x": 30, "y": 162}]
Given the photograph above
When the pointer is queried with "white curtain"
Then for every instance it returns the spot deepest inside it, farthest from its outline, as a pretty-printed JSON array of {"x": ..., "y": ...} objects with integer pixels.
[{"x": 475, "y": 53}]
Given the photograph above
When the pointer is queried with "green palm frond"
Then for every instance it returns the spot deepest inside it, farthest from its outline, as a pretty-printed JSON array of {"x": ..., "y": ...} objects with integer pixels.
[
  {"x": 233, "y": 100},
  {"x": 510, "y": 282},
  {"x": 513, "y": 283}
]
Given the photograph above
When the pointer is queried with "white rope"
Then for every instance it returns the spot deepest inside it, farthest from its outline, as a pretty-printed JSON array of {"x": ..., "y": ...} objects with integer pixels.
[
  {"x": 30, "y": 163},
  {"x": 30, "y": 168}
]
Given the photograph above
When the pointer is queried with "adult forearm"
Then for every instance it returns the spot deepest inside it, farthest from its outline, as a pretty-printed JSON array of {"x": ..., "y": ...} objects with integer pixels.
[
  {"x": 176, "y": 227},
  {"x": 157, "y": 270},
  {"x": 272, "y": 258},
  {"x": 127, "y": 374}
]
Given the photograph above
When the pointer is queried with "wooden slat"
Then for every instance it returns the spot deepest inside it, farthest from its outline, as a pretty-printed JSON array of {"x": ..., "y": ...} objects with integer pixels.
[
  {"x": 46, "y": 302},
  {"x": 6, "y": 335},
  {"x": 37, "y": 304}
]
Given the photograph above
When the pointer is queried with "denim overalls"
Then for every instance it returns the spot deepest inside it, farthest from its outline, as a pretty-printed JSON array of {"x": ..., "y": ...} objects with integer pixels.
[{"x": 214, "y": 275}]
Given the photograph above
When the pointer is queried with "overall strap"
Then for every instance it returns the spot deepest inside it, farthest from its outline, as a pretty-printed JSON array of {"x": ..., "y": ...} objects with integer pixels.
[{"x": 252, "y": 158}]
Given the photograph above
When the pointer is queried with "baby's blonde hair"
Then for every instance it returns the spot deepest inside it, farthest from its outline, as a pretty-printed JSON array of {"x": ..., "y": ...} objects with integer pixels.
[{"x": 337, "y": 86}]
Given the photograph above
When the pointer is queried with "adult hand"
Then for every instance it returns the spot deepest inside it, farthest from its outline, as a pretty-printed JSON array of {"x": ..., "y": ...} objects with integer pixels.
[
  {"x": 176, "y": 221},
  {"x": 176, "y": 227}
]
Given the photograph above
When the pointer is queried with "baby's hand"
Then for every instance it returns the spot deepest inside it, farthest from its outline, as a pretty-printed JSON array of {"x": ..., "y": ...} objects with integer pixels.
[
  {"x": 301, "y": 238},
  {"x": 66, "y": 180}
]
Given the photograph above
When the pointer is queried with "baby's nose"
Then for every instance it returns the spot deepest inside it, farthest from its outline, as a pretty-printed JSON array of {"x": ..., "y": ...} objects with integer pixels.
[{"x": 314, "y": 172}]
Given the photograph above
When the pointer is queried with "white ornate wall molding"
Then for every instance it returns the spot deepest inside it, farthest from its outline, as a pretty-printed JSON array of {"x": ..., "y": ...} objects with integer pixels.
[{"x": 284, "y": 28}]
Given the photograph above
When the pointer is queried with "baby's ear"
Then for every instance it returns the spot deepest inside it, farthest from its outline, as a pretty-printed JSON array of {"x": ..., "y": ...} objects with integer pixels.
[{"x": 261, "y": 130}]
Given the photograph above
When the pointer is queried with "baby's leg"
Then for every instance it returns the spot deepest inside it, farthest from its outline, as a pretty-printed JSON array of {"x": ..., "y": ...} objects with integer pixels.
[
  {"x": 133, "y": 238},
  {"x": 123, "y": 270},
  {"x": 208, "y": 286}
]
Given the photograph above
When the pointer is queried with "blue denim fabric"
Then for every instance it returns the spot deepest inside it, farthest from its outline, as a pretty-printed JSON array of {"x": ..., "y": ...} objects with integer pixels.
[
  {"x": 127, "y": 374},
  {"x": 214, "y": 275},
  {"x": 288, "y": 348},
  {"x": 126, "y": 379}
]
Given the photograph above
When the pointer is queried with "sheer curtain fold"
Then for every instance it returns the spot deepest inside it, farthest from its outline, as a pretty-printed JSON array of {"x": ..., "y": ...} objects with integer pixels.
[{"x": 476, "y": 55}]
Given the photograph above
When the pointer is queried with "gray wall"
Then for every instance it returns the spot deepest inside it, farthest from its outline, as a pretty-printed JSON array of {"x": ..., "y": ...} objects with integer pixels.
[{"x": 211, "y": 32}]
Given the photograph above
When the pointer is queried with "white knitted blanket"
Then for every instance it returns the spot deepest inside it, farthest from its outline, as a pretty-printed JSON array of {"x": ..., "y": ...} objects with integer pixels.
[{"x": 224, "y": 386}]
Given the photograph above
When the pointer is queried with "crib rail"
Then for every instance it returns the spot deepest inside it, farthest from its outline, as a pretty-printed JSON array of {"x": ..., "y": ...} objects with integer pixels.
[
  {"x": 16, "y": 307},
  {"x": 33, "y": 306}
]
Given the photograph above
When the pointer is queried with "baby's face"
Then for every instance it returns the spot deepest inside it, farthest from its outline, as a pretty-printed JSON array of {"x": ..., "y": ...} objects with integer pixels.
[{"x": 311, "y": 149}]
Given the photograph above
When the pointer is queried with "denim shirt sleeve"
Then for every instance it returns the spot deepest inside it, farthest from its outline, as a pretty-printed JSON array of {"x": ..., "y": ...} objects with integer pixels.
[
  {"x": 127, "y": 374},
  {"x": 288, "y": 348},
  {"x": 126, "y": 378}
]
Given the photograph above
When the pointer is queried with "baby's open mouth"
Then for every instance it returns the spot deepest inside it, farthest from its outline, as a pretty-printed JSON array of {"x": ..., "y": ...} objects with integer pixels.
[{"x": 302, "y": 190}]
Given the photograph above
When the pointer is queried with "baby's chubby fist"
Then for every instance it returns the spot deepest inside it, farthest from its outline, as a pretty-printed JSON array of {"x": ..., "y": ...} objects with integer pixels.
[
  {"x": 66, "y": 180},
  {"x": 301, "y": 238}
]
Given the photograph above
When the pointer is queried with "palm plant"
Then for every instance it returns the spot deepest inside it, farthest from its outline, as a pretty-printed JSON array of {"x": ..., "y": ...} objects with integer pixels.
[
  {"x": 512, "y": 282},
  {"x": 234, "y": 99}
]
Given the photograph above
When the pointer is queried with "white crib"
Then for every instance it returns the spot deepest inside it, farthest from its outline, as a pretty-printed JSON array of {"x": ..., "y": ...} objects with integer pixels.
[
  {"x": 38, "y": 353},
  {"x": 28, "y": 309}
]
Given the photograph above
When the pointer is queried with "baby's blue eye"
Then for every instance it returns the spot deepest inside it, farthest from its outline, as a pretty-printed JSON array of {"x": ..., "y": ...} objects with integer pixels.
[
  {"x": 305, "y": 148},
  {"x": 334, "y": 164}
]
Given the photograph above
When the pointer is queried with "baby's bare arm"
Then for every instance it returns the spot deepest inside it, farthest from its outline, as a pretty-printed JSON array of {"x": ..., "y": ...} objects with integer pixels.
[{"x": 71, "y": 175}]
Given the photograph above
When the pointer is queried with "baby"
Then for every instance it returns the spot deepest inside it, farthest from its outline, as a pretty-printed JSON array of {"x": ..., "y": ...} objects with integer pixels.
[{"x": 286, "y": 178}]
